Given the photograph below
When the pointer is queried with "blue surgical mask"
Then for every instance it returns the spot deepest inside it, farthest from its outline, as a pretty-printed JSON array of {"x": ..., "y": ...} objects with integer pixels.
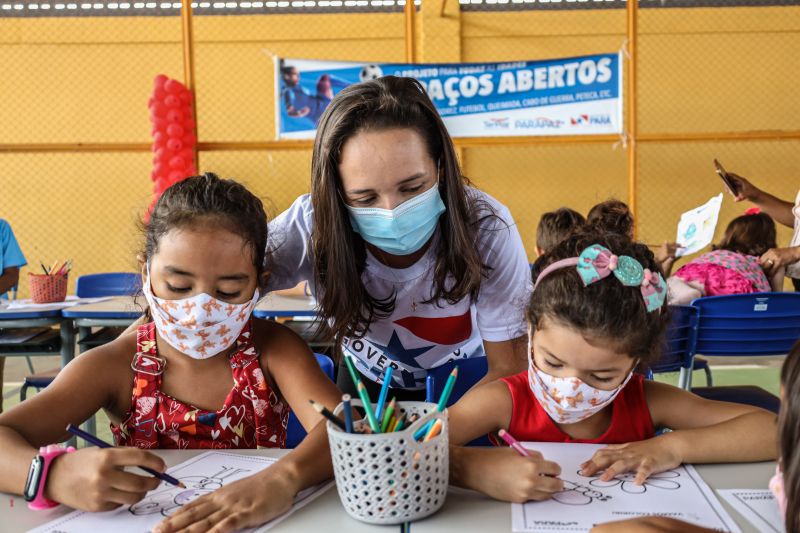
[{"x": 404, "y": 229}]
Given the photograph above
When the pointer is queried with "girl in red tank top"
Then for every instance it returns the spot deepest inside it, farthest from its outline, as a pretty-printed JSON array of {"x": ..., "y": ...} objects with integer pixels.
[
  {"x": 200, "y": 373},
  {"x": 597, "y": 313}
]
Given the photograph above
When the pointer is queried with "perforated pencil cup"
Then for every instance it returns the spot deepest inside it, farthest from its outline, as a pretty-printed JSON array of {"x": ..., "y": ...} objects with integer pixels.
[
  {"x": 390, "y": 478},
  {"x": 47, "y": 289}
]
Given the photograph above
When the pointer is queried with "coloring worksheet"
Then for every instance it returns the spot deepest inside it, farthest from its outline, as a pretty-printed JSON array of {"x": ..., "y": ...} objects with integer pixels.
[
  {"x": 201, "y": 475},
  {"x": 586, "y": 501},
  {"x": 757, "y": 506},
  {"x": 696, "y": 227}
]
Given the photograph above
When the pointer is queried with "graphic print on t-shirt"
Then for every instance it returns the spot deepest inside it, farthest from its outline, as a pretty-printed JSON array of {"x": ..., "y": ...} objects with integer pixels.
[{"x": 409, "y": 350}]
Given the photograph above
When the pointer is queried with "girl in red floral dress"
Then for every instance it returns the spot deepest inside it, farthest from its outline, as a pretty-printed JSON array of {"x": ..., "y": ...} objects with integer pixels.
[{"x": 200, "y": 373}]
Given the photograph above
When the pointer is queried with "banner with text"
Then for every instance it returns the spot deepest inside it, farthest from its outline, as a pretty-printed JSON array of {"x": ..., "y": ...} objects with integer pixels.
[{"x": 574, "y": 96}]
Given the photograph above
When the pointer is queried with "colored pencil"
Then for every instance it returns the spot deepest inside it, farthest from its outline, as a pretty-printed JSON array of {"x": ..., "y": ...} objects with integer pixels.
[
  {"x": 387, "y": 416},
  {"x": 44, "y": 268},
  {"x": 362, "y": 393},
  {"x": 52, "y": 268},
  {"x": 448, "y": 389},
  {"x": 514, "y": 443},
  {"x": 324, "y": 411},
  {"x": 102, "y": 444},
  {"x": 398, "y": 424},
  {"x": 387, "y": 378},
  {"x": 352, "y": 369},
  {"x": 436, "y": 428},
  {"x": 348, "y": 413}
]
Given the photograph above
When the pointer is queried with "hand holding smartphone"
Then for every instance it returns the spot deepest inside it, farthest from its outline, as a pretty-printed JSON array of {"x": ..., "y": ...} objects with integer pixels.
[{"x": 730, "y": 183}]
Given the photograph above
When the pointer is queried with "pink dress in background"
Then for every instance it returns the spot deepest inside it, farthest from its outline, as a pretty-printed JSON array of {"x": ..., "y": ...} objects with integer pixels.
[{"x": 724, "y": 272}]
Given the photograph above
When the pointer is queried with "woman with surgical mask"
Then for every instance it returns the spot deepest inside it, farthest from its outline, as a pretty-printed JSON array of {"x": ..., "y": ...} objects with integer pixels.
[{"x": 411, "y": 266}]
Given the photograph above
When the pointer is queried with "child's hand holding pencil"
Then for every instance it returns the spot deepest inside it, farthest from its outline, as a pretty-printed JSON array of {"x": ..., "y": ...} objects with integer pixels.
[{"x": 95, "y": 479}]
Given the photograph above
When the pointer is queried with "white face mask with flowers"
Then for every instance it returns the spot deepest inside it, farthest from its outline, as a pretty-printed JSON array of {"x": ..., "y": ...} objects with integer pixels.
[
  {"x": 200, "y": 326},
  {"x": 568, "y": 400}
]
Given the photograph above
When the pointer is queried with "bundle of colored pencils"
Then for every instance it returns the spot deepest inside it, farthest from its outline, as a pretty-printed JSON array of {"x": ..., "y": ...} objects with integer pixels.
[
  {"x": 62, "y": 270},
  {"x": 386, "y": 420}
]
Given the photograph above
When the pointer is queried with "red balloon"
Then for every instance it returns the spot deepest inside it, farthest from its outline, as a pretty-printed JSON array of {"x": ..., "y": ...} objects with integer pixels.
[
  {"x": 160, "y": 168},
  {"x": 175, "y": 145},
  {"x": 189, "y": 140},
  {"x": 159, "y": 139},
  {"x": 191, "y": 170},
  {"x": 189, "y": 123},
  {"x": 186, "y": 97},
  {"x": 163, "y": 155},
  {"x": 175, "y": 176},
  {"x": 159, "y": 81},
  {"x": 173, "y": 86},
  {"x": 177, "y": 163},
  {"x": 175, "y": 130},
  {"x": 161, "y": 184},
  {"x": 159, "y": 93},
  {"x": 158, "y": 108},
  {"x": 172, "y": 101},
  {"x": 187, "y": 154},
  {"x": 174, "y": 115},
  {"x": 158, "y": 123}
]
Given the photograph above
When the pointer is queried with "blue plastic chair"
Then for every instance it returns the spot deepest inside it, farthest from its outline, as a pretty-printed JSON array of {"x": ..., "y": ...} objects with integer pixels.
[
  {"x": 470, "y": 371},
  {"x": 746, "y": 325},
  {"x": 678, "y": 352},
  {"x": 294, "y": 430},
  {"x": 108, "y": 284}
]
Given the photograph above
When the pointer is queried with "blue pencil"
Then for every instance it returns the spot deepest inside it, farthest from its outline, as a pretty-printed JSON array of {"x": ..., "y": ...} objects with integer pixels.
[
  {"x": 88, "y": 437},
  {"x": 448, "y": 388},
  {"x": 387, "y": 378},
  {"x": 348, "y": 413}
]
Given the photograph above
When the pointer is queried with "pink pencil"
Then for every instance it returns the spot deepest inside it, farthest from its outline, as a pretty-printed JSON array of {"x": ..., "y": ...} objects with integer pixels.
[{"x": 514, "y": 443}]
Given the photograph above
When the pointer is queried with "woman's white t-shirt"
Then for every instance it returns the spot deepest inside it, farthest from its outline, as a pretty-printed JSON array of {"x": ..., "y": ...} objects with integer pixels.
[{"x": 418, "y": 336}]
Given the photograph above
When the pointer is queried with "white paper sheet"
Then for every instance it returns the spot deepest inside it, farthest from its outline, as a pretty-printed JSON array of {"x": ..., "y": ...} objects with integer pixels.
[
  {"x": 69, "y": 302},
  {"x": 587, "y": 501},
  {"x": 696, "y": 227},
  {"x": 757, "y": 506},
  {"x": 201, "y": 475}
]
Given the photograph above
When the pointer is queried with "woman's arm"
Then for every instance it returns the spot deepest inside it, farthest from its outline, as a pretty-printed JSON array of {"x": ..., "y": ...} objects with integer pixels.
[
  {"x": 505, "y": 358},
  {"x": 778, "y": 209}
]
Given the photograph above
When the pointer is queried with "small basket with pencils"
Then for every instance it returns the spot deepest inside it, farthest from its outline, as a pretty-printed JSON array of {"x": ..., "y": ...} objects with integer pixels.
[
  {"x": 392, "y": 466},
  {"x": 51, "y": 286}
]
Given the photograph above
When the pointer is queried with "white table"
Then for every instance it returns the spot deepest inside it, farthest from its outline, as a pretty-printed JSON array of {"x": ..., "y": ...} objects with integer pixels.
[
  {"x": 463, "y": 511},
  {"x": 279, "y": 306}
]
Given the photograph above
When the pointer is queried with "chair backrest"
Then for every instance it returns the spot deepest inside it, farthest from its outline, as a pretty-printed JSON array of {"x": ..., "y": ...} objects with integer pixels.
[
  {"x": 294, "y": 430},
  {"x": 678, "y": 347},
  {"x": 470, "y": 371},
  {"x": 748, "y": 324},
  {"x": 108, "y": 284}
]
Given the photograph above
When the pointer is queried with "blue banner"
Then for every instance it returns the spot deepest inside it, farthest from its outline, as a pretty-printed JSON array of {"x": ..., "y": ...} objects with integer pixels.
[{"x": 573, "y": 96}]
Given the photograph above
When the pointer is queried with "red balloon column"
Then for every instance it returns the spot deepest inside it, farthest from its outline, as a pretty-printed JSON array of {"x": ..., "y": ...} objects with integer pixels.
[{"x": 173, "y": 132}]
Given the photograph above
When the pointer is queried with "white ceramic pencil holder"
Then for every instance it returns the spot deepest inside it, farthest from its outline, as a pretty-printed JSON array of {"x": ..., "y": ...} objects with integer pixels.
[{"x": 390, "y": 478}]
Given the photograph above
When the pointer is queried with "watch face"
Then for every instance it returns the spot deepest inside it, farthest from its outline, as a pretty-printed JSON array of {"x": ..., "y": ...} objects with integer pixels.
[{"x": 34, "y": 476}]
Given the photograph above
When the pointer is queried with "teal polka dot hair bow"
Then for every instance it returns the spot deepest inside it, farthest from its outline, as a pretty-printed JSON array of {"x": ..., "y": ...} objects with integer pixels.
[{"x": 597, "y": 262}]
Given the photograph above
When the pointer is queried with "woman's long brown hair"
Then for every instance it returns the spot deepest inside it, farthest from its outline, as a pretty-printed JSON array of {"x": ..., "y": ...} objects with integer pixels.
[
  {"x": 339, "y": 254},
  {"x": 789, "y": 437}
]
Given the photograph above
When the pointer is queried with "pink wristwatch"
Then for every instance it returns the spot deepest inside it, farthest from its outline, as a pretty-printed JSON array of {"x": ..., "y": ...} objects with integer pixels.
[{"x": 37, "y": 476}]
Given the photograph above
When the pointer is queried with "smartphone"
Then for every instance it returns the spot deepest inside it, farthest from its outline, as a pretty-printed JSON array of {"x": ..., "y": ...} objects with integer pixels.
[{"x": 730, "y": 183}]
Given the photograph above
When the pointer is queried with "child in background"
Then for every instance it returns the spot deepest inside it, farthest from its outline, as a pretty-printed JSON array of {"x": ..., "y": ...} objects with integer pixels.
[
  {"x": 554, "y": 227},
  {"x": 614, "y": 216},
  {"x": 786, "y": 482},
  {"x": 11, "y": 260},
  {"x": 597, "y": 312},
  {"x": 732, "y": 267},
  {"x": 202, "y": 267}
]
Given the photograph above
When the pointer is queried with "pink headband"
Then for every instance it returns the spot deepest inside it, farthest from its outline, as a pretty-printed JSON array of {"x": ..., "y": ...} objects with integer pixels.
[{"x": 597, "y": 262}]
